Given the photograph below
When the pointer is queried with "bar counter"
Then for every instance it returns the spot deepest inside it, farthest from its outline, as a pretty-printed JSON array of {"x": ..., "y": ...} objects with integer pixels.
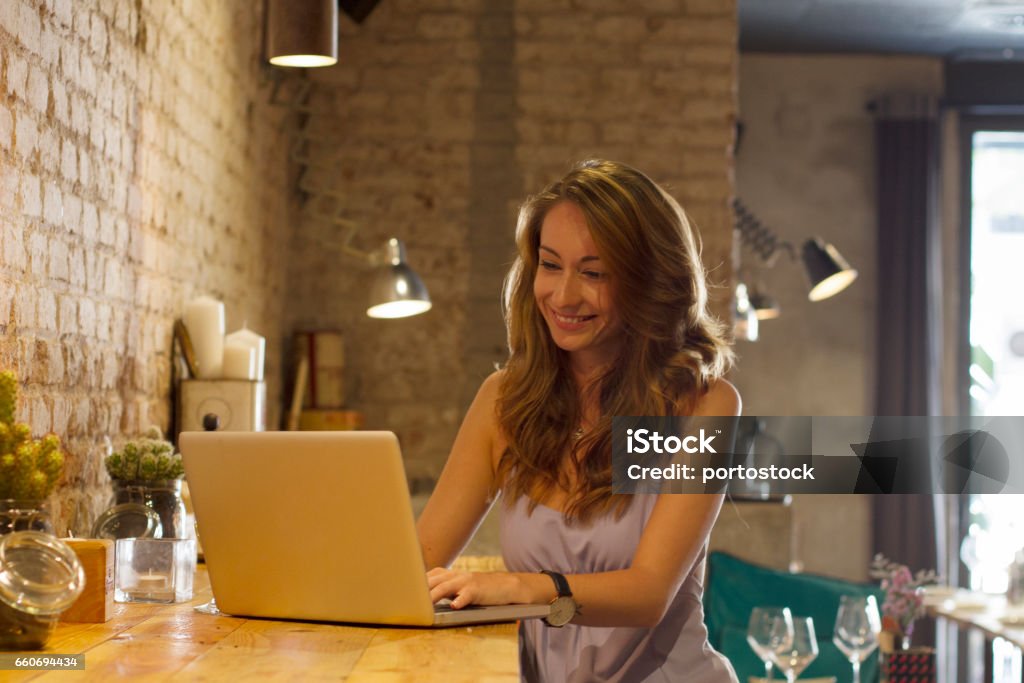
[{"x": 174, "y": 642}]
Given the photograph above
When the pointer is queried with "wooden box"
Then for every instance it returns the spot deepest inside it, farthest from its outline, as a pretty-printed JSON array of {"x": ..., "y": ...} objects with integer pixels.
[{"x": 96, "y": 603}]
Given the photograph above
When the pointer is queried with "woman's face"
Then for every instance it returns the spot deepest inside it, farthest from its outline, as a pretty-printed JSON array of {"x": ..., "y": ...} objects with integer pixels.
[{"x": 572, "y": 287}]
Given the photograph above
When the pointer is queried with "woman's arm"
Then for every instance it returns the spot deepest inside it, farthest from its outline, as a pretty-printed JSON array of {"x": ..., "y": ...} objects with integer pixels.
[
  {"x": 462, "y": 495},
  {"x": 638, "y": 596}
]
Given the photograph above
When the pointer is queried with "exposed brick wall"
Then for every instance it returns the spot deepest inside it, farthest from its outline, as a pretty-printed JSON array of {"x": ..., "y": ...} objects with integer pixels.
[
  {"x": 140, "y": 165},
  {"x": 442, "y": 115}
]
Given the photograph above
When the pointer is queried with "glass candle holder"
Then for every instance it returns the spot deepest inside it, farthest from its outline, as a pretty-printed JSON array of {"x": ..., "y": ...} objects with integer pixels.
[{"x": 154, "y": 570}]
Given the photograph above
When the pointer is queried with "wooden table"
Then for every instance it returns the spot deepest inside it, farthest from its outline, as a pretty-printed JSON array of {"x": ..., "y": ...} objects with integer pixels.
[
  {"x": 999, "y": 660},
  {"x": 174, "y": 642}
]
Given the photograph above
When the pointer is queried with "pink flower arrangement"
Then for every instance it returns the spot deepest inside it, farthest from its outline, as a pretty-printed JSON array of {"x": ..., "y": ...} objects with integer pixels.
[{"x": 903, "y": 600}]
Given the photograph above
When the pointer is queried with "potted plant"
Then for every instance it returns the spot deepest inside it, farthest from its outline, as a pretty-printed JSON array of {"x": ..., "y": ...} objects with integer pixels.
[
  {"x": 147, "y": 471},
  {"x": 904, "y": 602},
  {"x": 29, "y": 468}
]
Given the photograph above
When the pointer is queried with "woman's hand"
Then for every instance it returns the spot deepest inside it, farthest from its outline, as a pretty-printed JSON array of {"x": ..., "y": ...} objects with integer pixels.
[{"x": 474, "y": 588}]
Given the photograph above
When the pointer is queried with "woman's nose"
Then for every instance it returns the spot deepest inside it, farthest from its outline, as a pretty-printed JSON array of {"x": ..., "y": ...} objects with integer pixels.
[{"x": 567, "y": 292}]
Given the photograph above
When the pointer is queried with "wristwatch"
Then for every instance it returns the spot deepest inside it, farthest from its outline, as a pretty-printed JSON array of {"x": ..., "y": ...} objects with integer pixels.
[{"x": 563, "y": 607}]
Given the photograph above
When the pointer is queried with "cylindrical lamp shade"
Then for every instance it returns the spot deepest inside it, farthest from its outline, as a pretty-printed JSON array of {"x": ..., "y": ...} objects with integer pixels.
[
  {"x": 827, "y": 270},
  {"x": 765, "y": 307},
  {"x": 397, "y": 291},
  {"x": 302, "y": 33}
]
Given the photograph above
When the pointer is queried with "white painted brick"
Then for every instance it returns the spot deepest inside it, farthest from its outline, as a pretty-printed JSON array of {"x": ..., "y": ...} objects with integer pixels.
[
  {"x": 9, "y": 16},
  {"x": 25, "y": 307},
  {"x": 6, "y": 128},
  {"x": 31, "y": 195},
  {"x": 38, "y": 89},
  {"x": 76, "y": 260},
  {"x": 61, "y": 106},
  {"x": 98, "y": 37},
  {"x": 29, "y": 28},
  {"x": 84, "y": 167},
  {"x": 67, "y": 314},
  {"x": 113, "y": 280},
  {"x": 50, "y": 47},
  {"x": 7, "y": 293},
  {"x": 87, "y": 317},
  {"x": 39, "y": 416},
  {"x": 48, "y": 147},
  {"x": 17, "y": 74},
  {"x": 69, "y": 61},
  {"x": 59, "y": 260},
  {"x": 62, "y": 12},
  {"x": 53, "y": 205},
  {"x": 103, "y": 312},
  {"x": 15, "y": 256},
  {"x": 69, "y": 161},
  {"x": 46, "y": 313},
  {"x": 72, "y": 214}
]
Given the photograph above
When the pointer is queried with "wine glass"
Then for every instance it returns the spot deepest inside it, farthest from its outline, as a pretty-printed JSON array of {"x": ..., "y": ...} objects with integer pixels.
[
  {"x": 769, "y": 629},
  {"x": 857, "y": 628},
  {"x": 794, "y": 657}
]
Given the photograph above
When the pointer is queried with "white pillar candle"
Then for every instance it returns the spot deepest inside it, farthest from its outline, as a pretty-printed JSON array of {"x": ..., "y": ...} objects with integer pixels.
[
  {"x": 239, "y": 361},
  {"x": 247, "y": 337},
  {"x": 204, "y": 320}
]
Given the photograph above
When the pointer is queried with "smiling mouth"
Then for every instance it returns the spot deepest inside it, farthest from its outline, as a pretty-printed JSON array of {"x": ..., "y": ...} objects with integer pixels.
[{"x": 572, "y": 319}]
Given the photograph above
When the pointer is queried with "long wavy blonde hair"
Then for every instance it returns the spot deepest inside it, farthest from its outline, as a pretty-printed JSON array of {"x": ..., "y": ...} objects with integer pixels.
[{"x": 672, "y": 348}]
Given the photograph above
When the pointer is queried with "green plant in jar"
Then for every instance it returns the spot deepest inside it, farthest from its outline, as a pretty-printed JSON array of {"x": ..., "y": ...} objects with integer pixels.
[
  {"x": 29, "y": 468},
  {"x": 149, "y": 458}
]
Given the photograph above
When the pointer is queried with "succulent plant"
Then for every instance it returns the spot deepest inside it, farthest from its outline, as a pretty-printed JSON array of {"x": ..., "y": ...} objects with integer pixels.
[
  {"x": 29, "y": 468},
  {"x": 147, "y": 458}
]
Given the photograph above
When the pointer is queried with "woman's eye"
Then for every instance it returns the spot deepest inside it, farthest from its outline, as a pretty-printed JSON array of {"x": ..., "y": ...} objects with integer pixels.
[
  {"x": 593, "y": 274},
  {"x": 548, "y": 265}
]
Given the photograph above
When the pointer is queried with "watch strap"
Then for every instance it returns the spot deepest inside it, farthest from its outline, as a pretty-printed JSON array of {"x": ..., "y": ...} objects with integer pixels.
[{"x": 561, "y": 583}]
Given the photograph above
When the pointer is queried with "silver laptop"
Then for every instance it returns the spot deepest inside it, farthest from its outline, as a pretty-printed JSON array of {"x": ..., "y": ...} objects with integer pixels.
[{"x": 315, "y": 526}]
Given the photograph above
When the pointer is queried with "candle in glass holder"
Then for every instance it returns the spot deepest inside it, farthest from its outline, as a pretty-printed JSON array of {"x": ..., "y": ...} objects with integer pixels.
[{"x": 151, "y": 581}]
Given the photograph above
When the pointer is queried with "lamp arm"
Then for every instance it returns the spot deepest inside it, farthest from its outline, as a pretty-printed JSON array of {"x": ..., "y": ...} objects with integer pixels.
[
  {"x": 761, "y": 239},
  {"x": 349, "y": 228}
]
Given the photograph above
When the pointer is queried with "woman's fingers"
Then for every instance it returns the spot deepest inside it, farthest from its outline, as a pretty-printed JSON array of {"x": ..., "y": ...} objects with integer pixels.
[
  {"x": 448, "y": 585},
  {"x": 468, "y": 588}
]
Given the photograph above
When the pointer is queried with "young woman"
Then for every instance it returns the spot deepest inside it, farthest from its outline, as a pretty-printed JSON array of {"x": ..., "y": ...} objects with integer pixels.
[{"x": 606, "y": 309}]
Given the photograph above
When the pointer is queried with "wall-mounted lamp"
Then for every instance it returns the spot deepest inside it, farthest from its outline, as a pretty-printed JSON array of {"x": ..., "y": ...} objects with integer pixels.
[
  {"x": 302, "y": 33},
  {"x": 396, "y": 291},
  {"x": 744, "y": 327},
  {"x": 828, "y": 273},
  {"x": 765, "y": 306}
]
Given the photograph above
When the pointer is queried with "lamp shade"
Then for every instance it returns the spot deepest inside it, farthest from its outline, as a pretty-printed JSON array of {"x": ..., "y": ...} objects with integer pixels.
[
  {"x": 302, "y": 33},
  {"x": 765, "y": 306},
  {"x": 397, "y": 291},
  {"x": 828, "y": 272}
]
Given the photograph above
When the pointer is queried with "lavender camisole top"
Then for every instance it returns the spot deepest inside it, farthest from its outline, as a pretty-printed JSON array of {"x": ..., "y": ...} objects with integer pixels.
[{"x": 676, "y": 649}]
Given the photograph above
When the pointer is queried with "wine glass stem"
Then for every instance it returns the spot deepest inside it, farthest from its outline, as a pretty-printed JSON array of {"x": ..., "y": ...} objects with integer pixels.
[
  {"x": 767, "y": 671},
  {"x": 856, "y": 670},
  {"x": 791, "y": 676}
]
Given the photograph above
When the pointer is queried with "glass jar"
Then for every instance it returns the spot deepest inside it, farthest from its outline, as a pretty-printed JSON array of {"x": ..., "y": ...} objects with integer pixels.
[
  {"x": 40, "y": 577},
  {"x": 163, "y": 496},
  {"x": 24, "y": 515}
]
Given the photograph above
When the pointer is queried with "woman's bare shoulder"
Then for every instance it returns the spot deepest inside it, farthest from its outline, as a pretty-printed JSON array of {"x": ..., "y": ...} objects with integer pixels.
[{"x": 721, "y": 399}]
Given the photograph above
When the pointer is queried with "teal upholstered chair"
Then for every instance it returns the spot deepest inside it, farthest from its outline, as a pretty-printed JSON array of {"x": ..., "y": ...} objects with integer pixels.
[{"x": 735, "y": 587}]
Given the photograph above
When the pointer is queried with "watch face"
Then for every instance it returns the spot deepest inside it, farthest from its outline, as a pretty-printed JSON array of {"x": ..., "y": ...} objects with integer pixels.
[{"x": 562, "y": 611}]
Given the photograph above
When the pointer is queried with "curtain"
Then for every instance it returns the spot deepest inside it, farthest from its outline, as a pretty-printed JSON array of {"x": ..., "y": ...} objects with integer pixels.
[{"x": 908, "y": 327}]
